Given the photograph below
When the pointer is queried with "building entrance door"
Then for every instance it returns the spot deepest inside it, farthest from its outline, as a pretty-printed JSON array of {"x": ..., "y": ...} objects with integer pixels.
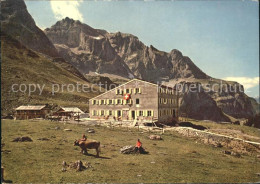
[
  {"x": 125, "y": 114},
  {"x": 133, "y": 114}
]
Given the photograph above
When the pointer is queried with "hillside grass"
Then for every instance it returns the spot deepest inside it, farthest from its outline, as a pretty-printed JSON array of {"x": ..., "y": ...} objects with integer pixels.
[
  {"x": 23, "y": 66},
  {"x": 213, "y": 125},
  {"x": 174, "y": 159}
]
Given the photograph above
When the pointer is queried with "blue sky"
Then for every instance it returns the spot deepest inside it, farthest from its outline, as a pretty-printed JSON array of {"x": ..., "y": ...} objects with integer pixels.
[{"x": 221, "y": 37}]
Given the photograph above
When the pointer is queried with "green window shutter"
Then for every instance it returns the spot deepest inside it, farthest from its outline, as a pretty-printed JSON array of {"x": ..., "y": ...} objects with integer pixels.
[
  {"x": 130, "y": 91},
  {"x": 134, "y": 90},
  {"x": 116, "y": 91},
  {"x": 92, "y": 102},
  {"x": 140, "y": 90},
  {"x": 124, "y": 102},
  {"x": 124, "y": 91},
  {"x": 151, "y": 112}
]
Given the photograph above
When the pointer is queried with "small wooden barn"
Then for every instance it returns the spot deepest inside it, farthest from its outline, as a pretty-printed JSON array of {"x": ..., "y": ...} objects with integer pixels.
[
  {"x": 31, "y": 111},
  {"x": 69, "y": 112}
]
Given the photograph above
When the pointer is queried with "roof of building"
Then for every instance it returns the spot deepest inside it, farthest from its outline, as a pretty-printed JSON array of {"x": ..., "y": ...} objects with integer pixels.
[
  {"x": 30, "y": 107},
  {"x": 72, "y": 109},
  {"x": 136, "y": 79}
]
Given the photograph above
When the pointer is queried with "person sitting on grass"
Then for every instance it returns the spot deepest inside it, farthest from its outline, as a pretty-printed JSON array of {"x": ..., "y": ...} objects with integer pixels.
[{"x": 138, "y": 146}]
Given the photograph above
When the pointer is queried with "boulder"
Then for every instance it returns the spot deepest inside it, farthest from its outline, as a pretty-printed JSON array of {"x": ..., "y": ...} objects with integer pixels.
[
  {"x": 68, "y": 130},
  {"x": 89, "y": 130},
  {"x": 155, "y": 137},
  {"x": 128, "y": 149},
  {"x": 22, "y": 139},
  {"x": 132, "y": 150}
]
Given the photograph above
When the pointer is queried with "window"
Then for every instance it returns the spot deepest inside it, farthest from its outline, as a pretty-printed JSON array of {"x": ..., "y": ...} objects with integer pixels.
[
  {"x": 137, "y": 101},
  {"x": 118, "y": 101},
  {"x": 173, "y": 113},
  {"x": 149, "y": 113},
  {"x": 102, "y": 102},
  {"x": 110, "y": 113},
  {"x": 137, "y": 90},
  {"x": 127, "y": 90},
  {"x": 94, "y": 102},
  {"x": 118, "y": 113},
  {"x": 118, "y": 91},
  {"x": 102, "y": 112},
  {"x": 141, "y": 113},
  {"x": 94, "y": 113},
  {"x": 110, "y": 101}
]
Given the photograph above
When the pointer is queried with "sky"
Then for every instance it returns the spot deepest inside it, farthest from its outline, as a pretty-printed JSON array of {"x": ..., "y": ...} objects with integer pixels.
[{"x": 220, "y": 37}]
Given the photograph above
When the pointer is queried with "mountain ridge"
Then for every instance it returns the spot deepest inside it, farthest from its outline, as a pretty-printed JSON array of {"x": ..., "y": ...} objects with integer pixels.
[{"x": 136, "y": 60}]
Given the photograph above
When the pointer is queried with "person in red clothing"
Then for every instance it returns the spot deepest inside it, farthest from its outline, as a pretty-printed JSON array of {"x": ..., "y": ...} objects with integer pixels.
[{"x": 138, "y": 146}]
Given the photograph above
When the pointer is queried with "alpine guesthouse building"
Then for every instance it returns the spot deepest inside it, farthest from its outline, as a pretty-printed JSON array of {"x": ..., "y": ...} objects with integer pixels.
[{"x": 136, "y": 100}]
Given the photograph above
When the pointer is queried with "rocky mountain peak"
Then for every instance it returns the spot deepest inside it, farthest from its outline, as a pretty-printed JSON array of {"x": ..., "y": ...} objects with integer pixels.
[
  {"x": 175, "y": 54},
  {"x": 66, "y": 23},
  {"x": 19, "y": 24}
]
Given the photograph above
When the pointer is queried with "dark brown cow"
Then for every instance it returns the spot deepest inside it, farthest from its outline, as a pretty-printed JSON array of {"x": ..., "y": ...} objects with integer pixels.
[{"x": 88, "y": 144}]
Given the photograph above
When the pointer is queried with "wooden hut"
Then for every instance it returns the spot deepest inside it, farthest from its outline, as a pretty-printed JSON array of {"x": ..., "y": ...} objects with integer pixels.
[
  {"x": 31, "y": 111},
  {"x": 69, "y": 112}
]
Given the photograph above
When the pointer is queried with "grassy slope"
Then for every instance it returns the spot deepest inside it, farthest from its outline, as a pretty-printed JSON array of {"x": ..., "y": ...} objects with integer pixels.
[
  {"x": 177, "y": 159},
  {"x": 212, "y": 125},
  {"x": 20, "y": 65}
]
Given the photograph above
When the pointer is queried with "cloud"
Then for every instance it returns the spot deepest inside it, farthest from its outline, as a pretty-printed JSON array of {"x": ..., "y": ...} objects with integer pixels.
[
  {"x": 247, "y": 82},
  {"x": 69, "y": 8}
]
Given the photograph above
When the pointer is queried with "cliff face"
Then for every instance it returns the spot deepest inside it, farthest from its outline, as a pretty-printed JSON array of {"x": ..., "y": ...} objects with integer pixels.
[
  {"x": 18, "y": 23},
  {"x": 94, "y": 50},
  {"x": 86, "y": 48},
  {"x": 151, "y": 64},
  {"x": 198, "y": 104}
]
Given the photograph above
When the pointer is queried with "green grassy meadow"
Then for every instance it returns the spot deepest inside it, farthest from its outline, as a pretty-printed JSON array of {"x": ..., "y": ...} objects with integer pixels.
[
  {"x": 21, "y": 66},
  {"x": 174, "y": 159}
]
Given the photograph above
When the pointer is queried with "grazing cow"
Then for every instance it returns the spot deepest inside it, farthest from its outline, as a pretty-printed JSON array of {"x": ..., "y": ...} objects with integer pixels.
[{"x": 88, "y": 144}]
